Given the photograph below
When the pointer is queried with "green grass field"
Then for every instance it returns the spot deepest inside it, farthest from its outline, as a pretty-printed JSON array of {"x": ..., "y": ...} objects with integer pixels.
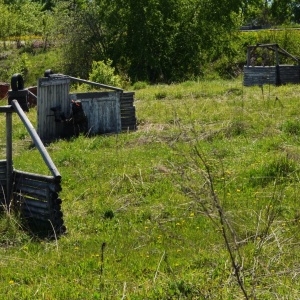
[{"x": 148, "y": 212}]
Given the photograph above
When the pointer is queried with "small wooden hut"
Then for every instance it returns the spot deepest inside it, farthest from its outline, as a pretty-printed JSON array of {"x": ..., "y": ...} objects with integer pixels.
[{"x": 263, "y": 66}]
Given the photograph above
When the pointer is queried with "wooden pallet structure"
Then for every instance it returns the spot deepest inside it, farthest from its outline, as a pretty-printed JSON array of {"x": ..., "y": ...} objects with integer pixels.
[
  {"x": 35, "y": 197},
  {"x": 276, "y": 74}
]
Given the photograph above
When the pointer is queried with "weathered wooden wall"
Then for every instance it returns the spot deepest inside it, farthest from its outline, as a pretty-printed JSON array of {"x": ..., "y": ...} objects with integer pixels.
[
  {"x": 289, "y": 74},
  {"x": 102, "y": 110},
  {"x": 260, "y": 75},
  {"x": 3, "y": 181},
  {"x": 52, "y": 92}
]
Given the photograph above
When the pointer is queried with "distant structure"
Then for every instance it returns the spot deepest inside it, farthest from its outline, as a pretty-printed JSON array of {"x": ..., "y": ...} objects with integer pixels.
[
  {"x": 111, "y": 111},
  {"x": 263, "y": 66}
]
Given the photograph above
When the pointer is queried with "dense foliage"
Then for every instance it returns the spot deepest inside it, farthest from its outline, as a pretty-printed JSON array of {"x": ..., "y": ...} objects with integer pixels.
[{"x": 153, "y": 40}]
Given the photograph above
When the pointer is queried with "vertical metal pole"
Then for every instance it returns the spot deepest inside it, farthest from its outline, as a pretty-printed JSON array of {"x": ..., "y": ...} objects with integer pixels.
[
  {"x": 248, "y": 57},
  {"x": 9, "y": 162},
  {"x": 277, "y": 71}
]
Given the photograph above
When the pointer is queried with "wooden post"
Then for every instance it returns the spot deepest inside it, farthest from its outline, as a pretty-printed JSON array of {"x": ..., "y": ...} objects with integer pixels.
[
  {"x": 9, "y": 162},
  {"x": 278, "y": 81}
]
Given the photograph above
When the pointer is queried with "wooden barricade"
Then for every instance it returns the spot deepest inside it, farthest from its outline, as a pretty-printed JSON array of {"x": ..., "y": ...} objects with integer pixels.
[
  {"x": 128, "y": 116},
  {"x": 52, "y": 93},
  {"x": 36, "y": 198},
  {"x": 102, "y": 110}
]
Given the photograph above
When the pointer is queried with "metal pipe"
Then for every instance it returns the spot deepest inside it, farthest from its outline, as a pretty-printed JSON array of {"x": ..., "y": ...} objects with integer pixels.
[
  {"x": 91, "y": 83},
  {"x": 9, "y": 161},
  {"x": 36, "y": 139}
]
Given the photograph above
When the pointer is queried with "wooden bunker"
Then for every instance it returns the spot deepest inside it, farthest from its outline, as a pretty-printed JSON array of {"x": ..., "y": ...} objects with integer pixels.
[
  {"x": 263, "y": 66},
  {"x": 34, "y": 196},
  {"x": 111, "y": 111}
]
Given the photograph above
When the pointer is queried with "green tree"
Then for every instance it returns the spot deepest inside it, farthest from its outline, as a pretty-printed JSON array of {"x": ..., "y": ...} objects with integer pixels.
[
  {"x": 281, "y": 11},
  {"x": 150, "y": 40},
  {"x": 4, "y": 22}
]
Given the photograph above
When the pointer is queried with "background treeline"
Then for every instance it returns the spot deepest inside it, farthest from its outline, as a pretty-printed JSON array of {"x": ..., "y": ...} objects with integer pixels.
[{"x": 146, "y": 40}]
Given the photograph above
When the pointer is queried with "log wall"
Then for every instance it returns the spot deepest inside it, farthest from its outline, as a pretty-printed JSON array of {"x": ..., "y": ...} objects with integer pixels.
[{"x": 260, "y": 75}]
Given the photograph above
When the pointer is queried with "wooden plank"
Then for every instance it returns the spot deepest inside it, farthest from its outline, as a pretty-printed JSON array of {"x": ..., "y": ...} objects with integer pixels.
[
  {"x": 127, "y": 101},
  {"x": 21, "y": 191},
  {"x": 49, "y": 179},
  {"x": 6, "y": 108},
  {"x": 34, "y": 209},
  {"x": 259, "y": 75},
  {"x": 30, "y": 214},
  {"x": 33, "y": 203},
  {"x": 267, "y": 75},
  {"x": 128, "y": 94},
  {"x": 129, "y": 124},
  {"x": 102, "y": 110},
  {"x": 23, "y": 181},
  {"x": 130, "y": 127}
]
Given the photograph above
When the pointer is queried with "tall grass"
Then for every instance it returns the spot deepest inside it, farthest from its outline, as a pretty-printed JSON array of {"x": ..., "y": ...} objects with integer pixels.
[{"x": 139, "y": 212}]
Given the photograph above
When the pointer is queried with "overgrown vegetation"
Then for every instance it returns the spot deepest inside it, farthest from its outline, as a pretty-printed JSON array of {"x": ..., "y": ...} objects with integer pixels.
[
  {"x": 149, "y": 41},
  {"x": 200, "y": 202}
]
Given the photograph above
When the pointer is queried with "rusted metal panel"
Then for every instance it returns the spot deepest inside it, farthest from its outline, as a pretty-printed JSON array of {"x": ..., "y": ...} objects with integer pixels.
[{"x": 102, "y": 110}]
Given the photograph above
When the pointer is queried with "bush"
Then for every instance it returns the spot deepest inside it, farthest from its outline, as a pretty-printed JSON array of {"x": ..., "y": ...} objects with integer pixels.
[
  {"x": 140, "y": 85},
  {"x": 104, "y": 73}
]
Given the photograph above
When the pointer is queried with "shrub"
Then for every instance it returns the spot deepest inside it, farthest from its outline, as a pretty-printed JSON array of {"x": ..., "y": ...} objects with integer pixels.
[
  {"x": 140, "y": 85},
  {"x": 104, "y": 73}
]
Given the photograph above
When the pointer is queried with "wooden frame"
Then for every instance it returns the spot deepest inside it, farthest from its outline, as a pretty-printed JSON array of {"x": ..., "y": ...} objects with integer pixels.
[{"x": 277, "y": 74}]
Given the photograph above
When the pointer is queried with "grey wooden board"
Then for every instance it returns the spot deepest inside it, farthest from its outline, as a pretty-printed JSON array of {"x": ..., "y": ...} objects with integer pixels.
[
  {"x": 102, "y": 110},
  {"x": 267, "y": 75},
  {"x": 52, "y": 92}
]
